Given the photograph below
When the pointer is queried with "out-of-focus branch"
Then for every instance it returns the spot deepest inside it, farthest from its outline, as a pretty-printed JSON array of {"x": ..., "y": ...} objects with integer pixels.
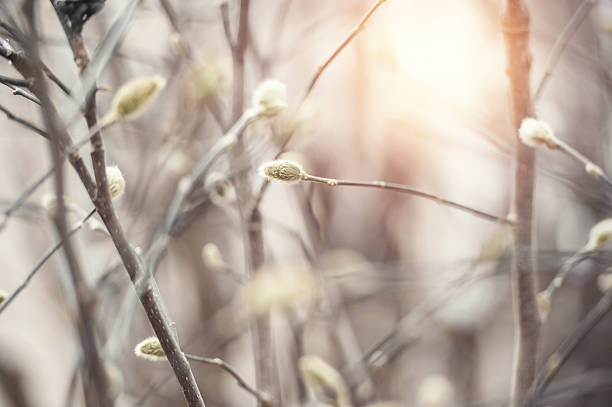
[
  {"x": 561, "y": 43},
  {"x": 358, "y": 28},
  {"x": 563, "y": 352},
  {"x": 515, "y": 24},
  {"x": 41, "y": 262}
]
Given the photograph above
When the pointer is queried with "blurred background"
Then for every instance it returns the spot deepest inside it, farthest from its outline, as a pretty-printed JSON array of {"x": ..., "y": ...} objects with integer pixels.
[{"x": 407, "y": 300}]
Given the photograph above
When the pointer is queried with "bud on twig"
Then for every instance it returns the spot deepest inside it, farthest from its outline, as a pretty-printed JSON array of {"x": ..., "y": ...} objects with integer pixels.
[
  {"x": 116, "y": 182},
  {"x": 536, "y": 133},
  {"x": 133, "y": 98},
  {"x": 282, "y": 171},
  {"x": 600, "y": 234},
  {"x": 324, "y": 381},
  {"x": 150, "y": 349},
  {"x": 270, "y": 96}
]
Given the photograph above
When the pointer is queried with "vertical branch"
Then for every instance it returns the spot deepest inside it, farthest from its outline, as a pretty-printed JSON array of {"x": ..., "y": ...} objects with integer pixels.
[
  {"x": 238, "y": 53},
  {"x": 515, "y": 23},
  {"x": 95, "y": 379},
  {"x": 100, "y": 195}
]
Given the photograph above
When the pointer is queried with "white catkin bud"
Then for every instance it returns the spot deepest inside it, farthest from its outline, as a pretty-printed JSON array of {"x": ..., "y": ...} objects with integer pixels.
[
  {"x": 600, "y": 234},
  {"x": 150, "y": 349},
  {"x": 270, "y": 96},
  {"x": 116, "y": 182},
  {"x": 604, "y": 282},
  {"x": 536, "y": 133},
  {"x": 324, "y": 381},
  {"x": 543, "y": 301},
  {"x": 435, "y": 391},
  {"x": 594, "y": 170},
  {"x": 134, "y": 97},
  {"x": 282, "y": 171},
  {"x": 211, "y": 257}
]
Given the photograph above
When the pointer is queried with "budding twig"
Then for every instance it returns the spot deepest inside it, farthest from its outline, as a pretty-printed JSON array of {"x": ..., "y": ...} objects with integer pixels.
[
  {"x": 46, "y": 256},
  {"x": 290, "y": 172},
  {"x": 260, "y": 396}
]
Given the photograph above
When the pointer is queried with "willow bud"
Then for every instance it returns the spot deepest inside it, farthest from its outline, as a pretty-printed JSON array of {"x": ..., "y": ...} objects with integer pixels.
[
  {"x": 270, "y": 96},
  {"x": 134, "y": 97},
  {"x": 150, "y": 349},
  {"x": 537, "y": 133},
  {"x": 116, "y": 182},
  {"x": 282, "y": 171}
]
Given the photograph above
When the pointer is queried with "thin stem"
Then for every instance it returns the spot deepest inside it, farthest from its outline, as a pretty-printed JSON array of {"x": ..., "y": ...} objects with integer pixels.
[
  {"x": 17, "y": 203},
  {"x": 515, "y": 24},
  {"x": 238, "y": 56},
  {"x": 14, "y": 81},
  {"x": 358, "y": 28},
  {"x": 260, "y": 396},
  {"x": 408, "y": 190},
  {"x": 23, "y": 93},
  {"x": 561, "y": 44},
  {"x": 561, "y": 355},
  {"x": 23, "y": 122},
  {"x": 41, "y": 262},
  {"x": 176, "y": 26},
  {"x": 590, "y": 166},
  {"x": 566, "y": 267}
]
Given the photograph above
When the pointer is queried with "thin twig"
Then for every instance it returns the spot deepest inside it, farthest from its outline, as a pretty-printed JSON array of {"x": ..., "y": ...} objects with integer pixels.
[
  {"x": 21, "y": 92},
  {"x": 590, "y": 167},
  {"x": 358, "y": 28},
  {"x": 14, "y": 81},
  {"x": 16, "y": 204},
  {"x": 174, "y": 22},
  {"x": 23, "y": 122},
  {"x": 261, "y": 396},
  {"x": 563, "y": 352},
  {"x": 408, "y": 190},
  {"x": 561, "y": 43},
  {"x": 515, "y": 24},
  {"x": 41, "y": 262}
]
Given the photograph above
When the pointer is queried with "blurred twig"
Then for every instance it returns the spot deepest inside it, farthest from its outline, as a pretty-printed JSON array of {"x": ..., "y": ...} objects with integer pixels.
[
  {"x": 46, "y": 256},
  {"x": 358, "y": 28},
  {"x": 563, "y": 352},
  {"x": 561, "y": 42}
]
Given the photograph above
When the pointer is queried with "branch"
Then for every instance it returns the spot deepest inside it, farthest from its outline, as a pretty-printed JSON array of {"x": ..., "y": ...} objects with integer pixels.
[
  {"x": 41, "y": 262},
  {"x": 149, "y": 296},
  {"x": 515, "y": 24},
  {"x": 260, "y": 396},
  {"x": 563, "y": 352},
  {"x": 358, "y": 28},
  {"x": 561, "y": 43}
]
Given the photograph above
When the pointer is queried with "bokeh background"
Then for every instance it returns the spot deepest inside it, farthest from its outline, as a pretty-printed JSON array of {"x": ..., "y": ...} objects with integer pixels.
[{"x": 420, "y": 97}]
